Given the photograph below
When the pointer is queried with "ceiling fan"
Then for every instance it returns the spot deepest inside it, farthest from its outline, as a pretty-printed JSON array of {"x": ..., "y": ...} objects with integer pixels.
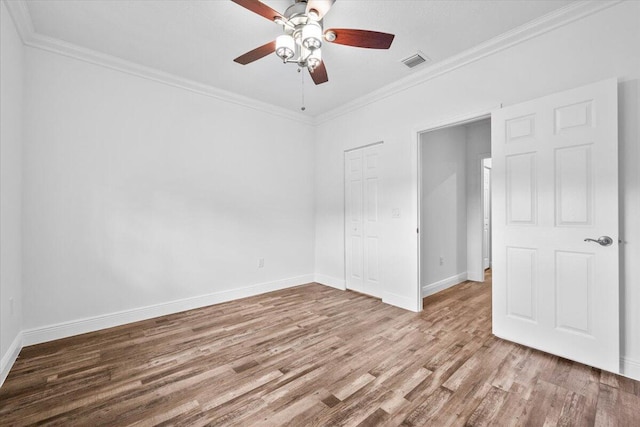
[{"x": 303, "y": 36}]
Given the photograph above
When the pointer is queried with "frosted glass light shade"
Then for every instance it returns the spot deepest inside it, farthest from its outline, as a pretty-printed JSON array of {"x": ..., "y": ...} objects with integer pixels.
[
  {"x": 285, "y": 46},
  {"x": 312, "y": 36},
  {"x": 314, "y": 59}
]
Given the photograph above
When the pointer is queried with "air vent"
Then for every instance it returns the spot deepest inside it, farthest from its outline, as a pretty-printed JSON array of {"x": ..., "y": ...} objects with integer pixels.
[{"x": 415, "y": 60}]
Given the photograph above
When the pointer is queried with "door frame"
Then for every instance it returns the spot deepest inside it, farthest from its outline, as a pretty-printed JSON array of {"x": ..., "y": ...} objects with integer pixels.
[
  {"x": 483, "y": 157},
  {"x": 454, "y": 120},
  {"x": 478, "y": 276}
]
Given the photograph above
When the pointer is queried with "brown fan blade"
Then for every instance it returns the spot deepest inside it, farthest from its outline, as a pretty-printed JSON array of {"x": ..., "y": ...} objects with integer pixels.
[
  {"x": 259, "y": 8},
  {"x": 319, "y": 75},
  {"x": 257, "y": 53},
  {"x": 359, "y": 38},
  {"x": 320, "y": 6}
]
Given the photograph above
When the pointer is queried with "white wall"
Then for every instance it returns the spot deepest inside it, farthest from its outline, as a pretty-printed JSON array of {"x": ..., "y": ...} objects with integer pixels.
[
  {"x": 590, "y": 49},
  {"x": 443, "y": 208},
  {"x": 136, "y": 193},
  {"x": 11, "y": 74},
  {"x": 478, "y": 143},
  {"x": 140, "y": 194}
]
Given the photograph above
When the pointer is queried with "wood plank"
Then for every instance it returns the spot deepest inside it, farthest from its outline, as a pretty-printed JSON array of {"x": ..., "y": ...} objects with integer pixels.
[{"x": 312, "y": 355}]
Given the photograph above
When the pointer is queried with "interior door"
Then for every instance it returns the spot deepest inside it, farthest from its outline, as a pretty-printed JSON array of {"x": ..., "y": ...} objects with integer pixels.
[
  {"x": 486, "y": 220},
  {"x": 555, "y": 184},
  {"x": 354, "y": 228},
  {"x": 362, "y": 224}
]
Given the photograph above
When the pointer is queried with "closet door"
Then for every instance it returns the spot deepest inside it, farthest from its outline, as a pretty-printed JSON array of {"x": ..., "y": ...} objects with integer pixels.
[{"x": 362, "y": 220}]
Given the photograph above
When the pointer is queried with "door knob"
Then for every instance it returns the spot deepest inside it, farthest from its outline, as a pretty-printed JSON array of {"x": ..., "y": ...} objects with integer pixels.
[{"x": 602, "y": 240}]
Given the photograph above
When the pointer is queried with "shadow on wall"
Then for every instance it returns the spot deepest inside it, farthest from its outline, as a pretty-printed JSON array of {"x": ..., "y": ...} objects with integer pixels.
[{"x": 629, "y": 200}]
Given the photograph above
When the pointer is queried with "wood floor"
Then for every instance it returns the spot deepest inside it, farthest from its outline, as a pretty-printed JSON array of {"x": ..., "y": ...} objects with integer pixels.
[{"x": 312, "y": 356}]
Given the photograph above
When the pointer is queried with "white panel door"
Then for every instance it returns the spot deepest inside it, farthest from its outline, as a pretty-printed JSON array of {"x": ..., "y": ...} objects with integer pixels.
[
  {"x": 354, "y": 210},
  {"x": 362, "y": 220},
  {"x": 555, "y": 183},
  {"x": 371, "y": 233}
]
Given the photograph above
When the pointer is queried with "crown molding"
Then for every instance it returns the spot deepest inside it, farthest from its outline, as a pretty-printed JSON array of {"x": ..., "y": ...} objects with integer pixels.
[
  {"x": 544, "y": 24},
  {"x": 21, "y": 17},
  {"x": 60, "y": 47},
  {"x": 20, "y": 13}
]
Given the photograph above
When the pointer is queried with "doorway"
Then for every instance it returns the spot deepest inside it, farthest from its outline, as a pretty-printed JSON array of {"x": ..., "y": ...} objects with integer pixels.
[
  {"x": 454, "y": 206},
  {"x": 554, "y": 191}
]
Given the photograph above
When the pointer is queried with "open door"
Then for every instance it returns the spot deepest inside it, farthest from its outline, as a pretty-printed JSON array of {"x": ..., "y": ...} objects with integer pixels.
[{"x": 555, "y": 185}]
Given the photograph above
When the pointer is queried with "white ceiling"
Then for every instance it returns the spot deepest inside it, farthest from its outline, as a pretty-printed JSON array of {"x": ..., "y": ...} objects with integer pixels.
[{"x": 198, "y": 40}]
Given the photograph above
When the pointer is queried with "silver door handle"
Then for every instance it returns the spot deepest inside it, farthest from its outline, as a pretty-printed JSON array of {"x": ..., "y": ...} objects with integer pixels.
[{"x": 602, "y": 240}]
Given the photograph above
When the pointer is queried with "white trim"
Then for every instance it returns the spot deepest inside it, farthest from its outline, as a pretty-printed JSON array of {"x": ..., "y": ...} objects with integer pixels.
[
  {"x": 544, "y": 24},
  {"x": 20, "y": 13},
  {"x": 9, "y": 358},
  {"x": 478, "y": 275},
  {"x": 95, "y": 323},
  {"x": 443, "y": 284},
  {"x": 474, "y": 277},
  {"x": 332, "y": 282},
  {"x": 49, "y": 44},
  {"x": 418, "y": 187},
  {"x": 399, "y": 301},
  {"x": 21, "y": 17},
  {"x": 457, "y": 119},
  {"x": 360, "y": 147},
  {"x": 630, "y": 368}
]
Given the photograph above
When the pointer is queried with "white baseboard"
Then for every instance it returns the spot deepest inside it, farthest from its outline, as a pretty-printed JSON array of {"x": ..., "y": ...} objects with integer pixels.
[
  {"x": 399, "y": 301},
  {"x": 95, "y": 323},
  {"x": 630, "y": 368},
  {"x": 333, "y": 282},
  {"x": 9, "y": 358},
  {"x": 476, "y": 277},
  {"x": 387, "y": 297},
  {"x": 443, "y": 284}
]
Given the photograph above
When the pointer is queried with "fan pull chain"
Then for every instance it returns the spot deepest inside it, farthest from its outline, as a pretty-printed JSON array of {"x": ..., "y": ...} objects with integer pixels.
[{"x": 302, "y": 73}]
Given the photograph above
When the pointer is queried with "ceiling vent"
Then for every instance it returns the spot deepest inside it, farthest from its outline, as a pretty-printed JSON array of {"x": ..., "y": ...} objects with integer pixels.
[{"x": 415, "y": 60}]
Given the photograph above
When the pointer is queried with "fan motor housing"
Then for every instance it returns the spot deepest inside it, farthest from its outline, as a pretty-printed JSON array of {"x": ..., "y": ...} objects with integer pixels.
[{"x": 297, "y": 11}]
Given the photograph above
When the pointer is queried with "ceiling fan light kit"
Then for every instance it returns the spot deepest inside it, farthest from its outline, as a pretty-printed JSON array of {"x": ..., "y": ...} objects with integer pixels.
[
  {"x": 312, "y": 35},
  {"x": 303, "y": 35},
  {"x": 301, "y": 45},
  {"x": 285, "y": 47}
]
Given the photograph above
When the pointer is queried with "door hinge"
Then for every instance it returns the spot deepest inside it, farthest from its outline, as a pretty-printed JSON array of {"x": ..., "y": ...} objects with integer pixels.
[{"x": 418, "y": 230}]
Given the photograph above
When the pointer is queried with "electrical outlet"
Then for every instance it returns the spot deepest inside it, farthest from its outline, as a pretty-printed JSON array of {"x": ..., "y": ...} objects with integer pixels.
[
  {"x": 441, "y": 260},
  {"x": 11, "y": 306},
  {"x": 260, "y": 262}
]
